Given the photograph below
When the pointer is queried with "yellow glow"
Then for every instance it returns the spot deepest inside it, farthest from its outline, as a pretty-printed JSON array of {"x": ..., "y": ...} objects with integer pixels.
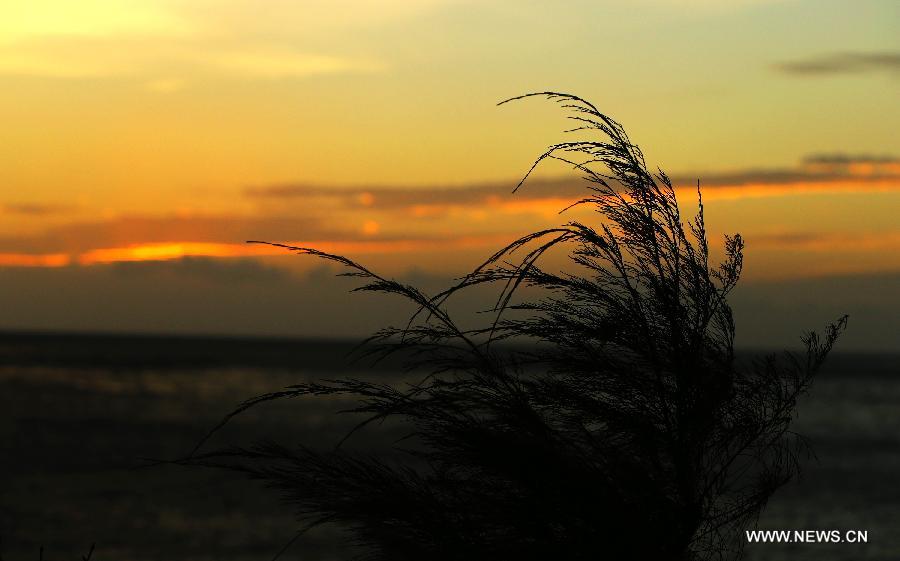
[
  {"x": 169, "y": 251},
  {"x": 29, "y": 19},
  {"x": 161, "y": 252},
  {"x": 137, "y": 108}
]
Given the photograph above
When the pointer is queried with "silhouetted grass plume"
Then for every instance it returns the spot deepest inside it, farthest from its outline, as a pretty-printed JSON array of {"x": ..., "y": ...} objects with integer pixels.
[{"x": 621, "y": 427}]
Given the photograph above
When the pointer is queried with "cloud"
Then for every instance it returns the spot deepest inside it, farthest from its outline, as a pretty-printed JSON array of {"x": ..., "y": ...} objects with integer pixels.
[
  {"x": 843, "y": 63},
  {"x": 814, "y": 169},
  {"x": 33, "y": 209},
  {"x": 385, "y": 196},
  {"x": 166, "y": 66},
  {"x": 840, "y": 158},
  {"x": 132, "y": 230},
  {"x": 232, "y": 38},
  {"x": 164, "y": 238},
  {"x": 36, "y": 19},
  {"x": 828, "y": 242},
  {"x": 420, "y": 220}
]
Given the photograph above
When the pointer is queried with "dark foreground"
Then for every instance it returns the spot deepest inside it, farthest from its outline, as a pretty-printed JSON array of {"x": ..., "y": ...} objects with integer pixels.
[{"x": 78, "y": 414}]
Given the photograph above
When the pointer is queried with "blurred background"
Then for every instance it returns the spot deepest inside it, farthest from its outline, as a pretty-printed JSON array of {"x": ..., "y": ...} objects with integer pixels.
[{"x": 144, "y": 141}]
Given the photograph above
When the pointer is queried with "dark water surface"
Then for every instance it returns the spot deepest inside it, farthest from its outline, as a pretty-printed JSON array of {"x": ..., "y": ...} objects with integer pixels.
[{"x": 77, "y": 414}]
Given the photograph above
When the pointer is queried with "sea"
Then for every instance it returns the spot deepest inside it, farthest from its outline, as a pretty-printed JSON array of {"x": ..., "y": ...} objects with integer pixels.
[{"x": 88, "y": 422}]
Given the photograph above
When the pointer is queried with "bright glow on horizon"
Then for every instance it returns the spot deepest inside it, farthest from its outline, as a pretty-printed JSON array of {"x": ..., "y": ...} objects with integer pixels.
[
  {"x": 34, "y": 260},
  {"x": 136, "y": 130}
]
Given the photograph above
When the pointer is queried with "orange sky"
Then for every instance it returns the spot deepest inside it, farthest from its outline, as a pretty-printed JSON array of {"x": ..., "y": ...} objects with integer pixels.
[
  {"x": 835, "y": 221},
  {"x": 153, "y": 130}
]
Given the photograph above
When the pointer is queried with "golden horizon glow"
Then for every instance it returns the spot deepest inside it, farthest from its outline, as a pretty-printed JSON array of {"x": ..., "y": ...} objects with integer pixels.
[
  {"x": 152, "y": 252},
  {"x": 478, "y": 226},
  {"x": 155, "y": 130},
  {"x": 51, "y": 260}
]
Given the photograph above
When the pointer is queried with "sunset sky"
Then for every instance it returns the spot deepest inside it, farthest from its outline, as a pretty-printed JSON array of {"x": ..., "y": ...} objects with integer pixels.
[{"x": 143, "y": 141}]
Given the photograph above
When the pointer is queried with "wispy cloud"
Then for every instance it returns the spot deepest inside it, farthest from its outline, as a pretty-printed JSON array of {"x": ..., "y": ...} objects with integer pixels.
[
  {"x": 828, "y": 242},
  {"x": 386, "y": 196},
  {"x": 41, "y": 19},
  {"x": 33, "y": 209},
  {"x": 860, "y": 169},
  {"x": 103, "y": 38},
  {"x": 131, "y": 230},
  {"x": 92, "y": 57},
  {"x": 855, "y": 170},
  {"x": 843, "y": 63},
  {"x": 840, "y": 158},
  {"x": 388, "y": 219},
  {"x": 161, "y": 238}
]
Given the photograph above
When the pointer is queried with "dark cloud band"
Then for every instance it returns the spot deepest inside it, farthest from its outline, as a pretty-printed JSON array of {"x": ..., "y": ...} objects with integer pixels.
[
  {"x": 814, "y": 168},
  {"x": 842, "y": 63}
]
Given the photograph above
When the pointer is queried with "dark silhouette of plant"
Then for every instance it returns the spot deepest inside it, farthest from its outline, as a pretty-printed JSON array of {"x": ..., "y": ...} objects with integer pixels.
[{"x": 620, "y": 427}]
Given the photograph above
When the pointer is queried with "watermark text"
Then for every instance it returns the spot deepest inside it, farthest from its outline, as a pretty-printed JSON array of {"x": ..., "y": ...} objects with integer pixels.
[{"x": 807, "y": 536}]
